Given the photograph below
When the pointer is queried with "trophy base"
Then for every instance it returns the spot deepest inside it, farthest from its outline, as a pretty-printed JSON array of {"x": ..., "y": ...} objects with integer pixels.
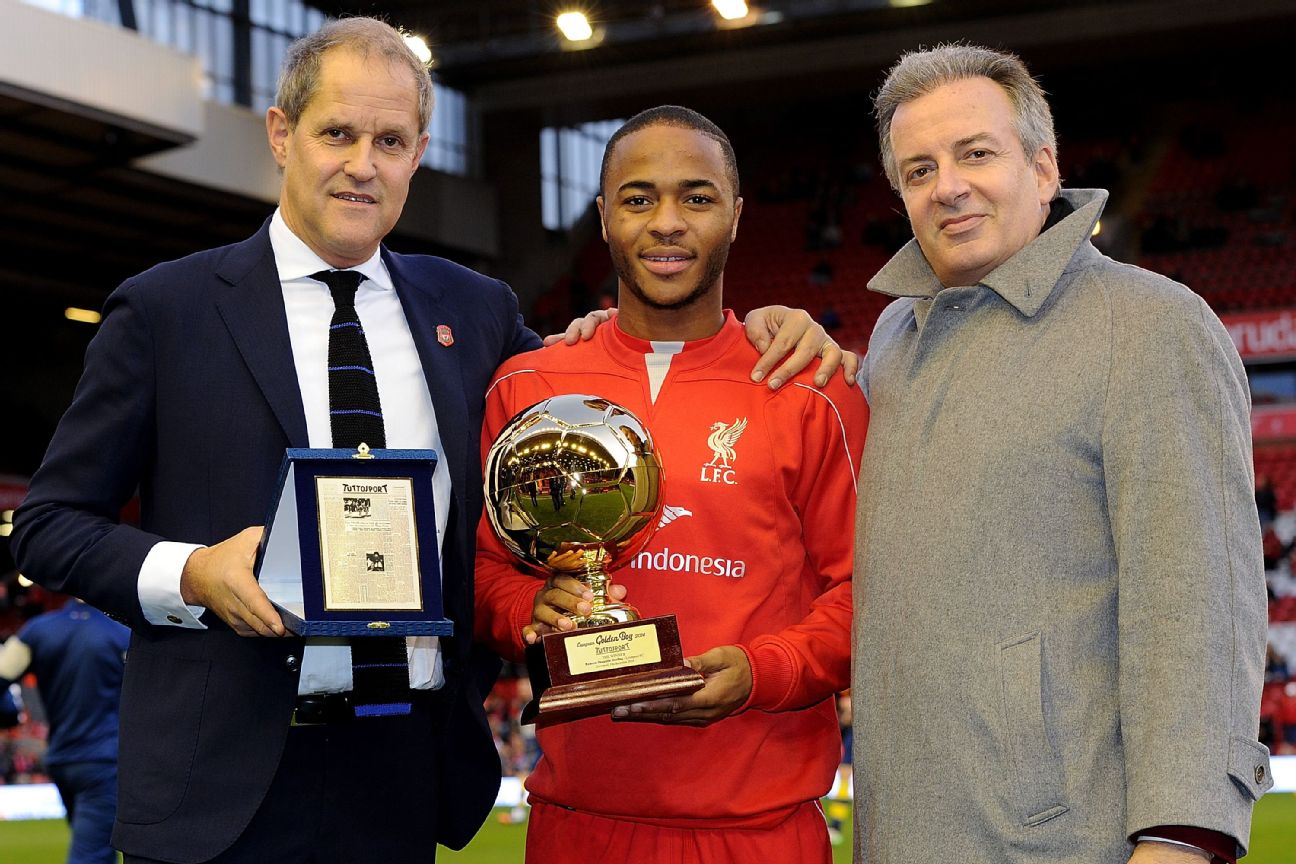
[{"x": 589, "y": 671}]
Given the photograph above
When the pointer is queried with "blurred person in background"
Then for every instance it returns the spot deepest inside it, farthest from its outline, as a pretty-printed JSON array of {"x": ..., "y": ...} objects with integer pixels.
[
  {"x": 1266, "y": 499},
  {"x": 78, "y": 656}
]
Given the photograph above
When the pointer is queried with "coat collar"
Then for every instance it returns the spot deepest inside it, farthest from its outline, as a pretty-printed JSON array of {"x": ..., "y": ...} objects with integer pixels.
[{"x": 1026, "y": 279}]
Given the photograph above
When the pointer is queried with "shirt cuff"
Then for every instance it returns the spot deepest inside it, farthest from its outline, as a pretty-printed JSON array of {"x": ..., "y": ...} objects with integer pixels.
[
  {"x": 159, "y": 586},
  {"x": 1219, "y": 845},
  {"x": 772, "y": 674}
]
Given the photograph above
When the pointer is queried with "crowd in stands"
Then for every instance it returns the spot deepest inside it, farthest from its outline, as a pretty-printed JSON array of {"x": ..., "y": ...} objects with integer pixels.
[
  {"x": 514, "y": 741},
  {"x": 1278, "y": 521}
]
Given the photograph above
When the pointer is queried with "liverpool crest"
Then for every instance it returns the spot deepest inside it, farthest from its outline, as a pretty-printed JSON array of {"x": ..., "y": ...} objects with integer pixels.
[{"x": 723, "y": 438}]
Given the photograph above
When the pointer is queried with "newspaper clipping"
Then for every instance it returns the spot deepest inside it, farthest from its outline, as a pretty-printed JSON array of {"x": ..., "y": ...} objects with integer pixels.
[{"x": 368, "y": 543}]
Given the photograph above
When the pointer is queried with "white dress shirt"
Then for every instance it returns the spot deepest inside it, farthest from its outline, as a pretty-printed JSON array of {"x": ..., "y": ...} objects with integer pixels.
[{"x": 408, "y": 418}]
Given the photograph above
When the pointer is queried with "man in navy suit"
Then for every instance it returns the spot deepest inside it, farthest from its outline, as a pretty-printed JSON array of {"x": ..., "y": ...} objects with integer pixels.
[
  {"x": 203, "y": 372},
  {"x": 205, "y": 369}
]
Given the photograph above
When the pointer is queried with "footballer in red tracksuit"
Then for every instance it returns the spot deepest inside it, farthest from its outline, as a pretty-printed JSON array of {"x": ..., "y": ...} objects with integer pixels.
[{"x": 754, "y": 549}]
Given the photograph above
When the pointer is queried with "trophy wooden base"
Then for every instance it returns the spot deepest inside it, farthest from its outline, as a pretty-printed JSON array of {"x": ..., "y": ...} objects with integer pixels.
[{"x": 590, "y": 671}]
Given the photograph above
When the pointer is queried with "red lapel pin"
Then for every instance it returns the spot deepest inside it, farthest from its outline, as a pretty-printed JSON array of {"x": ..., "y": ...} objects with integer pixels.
[{"x": 444, "y": 335}]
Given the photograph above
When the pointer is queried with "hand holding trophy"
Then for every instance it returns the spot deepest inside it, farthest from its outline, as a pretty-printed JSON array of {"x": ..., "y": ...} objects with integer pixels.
[{"x": 574, "y": 486}]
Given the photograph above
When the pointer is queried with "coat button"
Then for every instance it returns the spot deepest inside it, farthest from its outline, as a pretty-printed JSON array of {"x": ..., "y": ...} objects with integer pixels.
[
  {"x": 292, "y": 663},
  {"x": 1260, "y": 774}
]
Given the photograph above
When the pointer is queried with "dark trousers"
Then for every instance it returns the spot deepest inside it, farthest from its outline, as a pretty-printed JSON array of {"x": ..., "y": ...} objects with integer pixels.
[
  {"x": 89, "y": 793},
  {"x": 359, "y": 791}
]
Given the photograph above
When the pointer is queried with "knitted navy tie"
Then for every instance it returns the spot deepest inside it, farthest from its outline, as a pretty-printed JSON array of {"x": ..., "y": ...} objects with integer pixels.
[
  {"x": 380, "y": 675},
  {"x": 355, "y": 412}
]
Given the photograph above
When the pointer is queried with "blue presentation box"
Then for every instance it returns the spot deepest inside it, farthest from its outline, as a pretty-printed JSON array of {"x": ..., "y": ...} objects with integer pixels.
[{"x": 350, "y": 545}]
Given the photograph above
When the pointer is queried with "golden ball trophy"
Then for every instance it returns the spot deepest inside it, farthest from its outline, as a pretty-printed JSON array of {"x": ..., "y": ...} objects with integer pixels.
[{"x": 574, "y": 485}]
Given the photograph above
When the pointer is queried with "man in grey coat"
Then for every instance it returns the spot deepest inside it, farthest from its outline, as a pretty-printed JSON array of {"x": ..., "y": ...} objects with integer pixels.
[{"x": 1060, "y": 603}]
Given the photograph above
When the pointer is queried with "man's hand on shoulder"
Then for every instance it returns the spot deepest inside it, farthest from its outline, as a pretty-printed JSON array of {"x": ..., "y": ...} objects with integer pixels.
[
  {"x": 220, "y": 578},
  {"x": 581, "y": 329},
  {"x": 728, "y": 678},
  {"x": 789, "y": 339}
]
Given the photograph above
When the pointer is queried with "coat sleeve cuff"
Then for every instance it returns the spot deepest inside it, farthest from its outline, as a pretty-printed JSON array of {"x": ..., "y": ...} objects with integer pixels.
[{"x": 1221, "y": 846}]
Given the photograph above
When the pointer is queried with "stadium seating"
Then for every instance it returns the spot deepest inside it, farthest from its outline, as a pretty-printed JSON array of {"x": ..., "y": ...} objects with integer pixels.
[{"x": 1279, "y": 463}]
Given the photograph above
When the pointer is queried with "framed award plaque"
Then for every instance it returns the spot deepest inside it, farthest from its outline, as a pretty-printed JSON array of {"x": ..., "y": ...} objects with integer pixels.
[{"x": 350, "y": 544}]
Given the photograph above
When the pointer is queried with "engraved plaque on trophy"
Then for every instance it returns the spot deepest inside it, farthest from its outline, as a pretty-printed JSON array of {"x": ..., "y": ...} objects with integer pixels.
[{"x": 574, "y": 486}]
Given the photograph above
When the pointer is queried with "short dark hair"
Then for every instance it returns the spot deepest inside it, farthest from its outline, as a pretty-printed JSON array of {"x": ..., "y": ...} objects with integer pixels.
[{"x": 680, "y": 118}]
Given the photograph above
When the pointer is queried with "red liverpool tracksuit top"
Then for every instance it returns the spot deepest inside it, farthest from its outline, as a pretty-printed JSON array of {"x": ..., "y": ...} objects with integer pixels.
[{"x": 755, "y": 553}]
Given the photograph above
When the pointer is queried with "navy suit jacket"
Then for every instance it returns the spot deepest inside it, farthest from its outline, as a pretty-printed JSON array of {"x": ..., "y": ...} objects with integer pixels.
[{"x": 189, "y": 394}]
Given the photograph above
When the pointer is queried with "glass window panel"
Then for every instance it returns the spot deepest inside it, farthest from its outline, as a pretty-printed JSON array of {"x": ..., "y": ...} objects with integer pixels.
[
  {"x": 205, "y": 30},
  {"x": 448, "y": 133},
  {"x": 97, "y": 10},
  {"x": 70, "y": 8},
  {"x": 570, "y": 160},
  {"x": 260, "y": 51},
  {"x": 549, "y": 206},
  {"x": 278, "y": 48},
  {"x": 548, "y": 153},
  {"x": 157, "y": 25},
  {"x": 202, "y": 39},
  {"x": 224, "y": 48},
  {"x": 589, "y": 169},
  {"x": 184, "y": 31}
]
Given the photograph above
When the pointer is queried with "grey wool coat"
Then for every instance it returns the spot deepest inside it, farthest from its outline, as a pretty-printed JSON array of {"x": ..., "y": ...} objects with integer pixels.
[{"x": 1059, "y": 595}]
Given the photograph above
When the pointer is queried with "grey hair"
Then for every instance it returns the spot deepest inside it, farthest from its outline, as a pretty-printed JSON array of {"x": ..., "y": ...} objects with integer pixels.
[
  {"x": 918, "y": 73},
  {"x": 299, "y": 77}
]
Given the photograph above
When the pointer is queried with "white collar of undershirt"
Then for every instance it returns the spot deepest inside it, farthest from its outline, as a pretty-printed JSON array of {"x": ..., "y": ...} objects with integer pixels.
[
  {"x": 296, "y": 261},
  {"x": 658, "y": 364}
]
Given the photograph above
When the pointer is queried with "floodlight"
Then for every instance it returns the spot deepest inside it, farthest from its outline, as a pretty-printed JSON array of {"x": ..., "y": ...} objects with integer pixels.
[
  {"x": 85, "y": 316},
  {"x": 730, "y": 10},
  {"x": 419, "y": 47},
  {"x": 575, "y": 26}
]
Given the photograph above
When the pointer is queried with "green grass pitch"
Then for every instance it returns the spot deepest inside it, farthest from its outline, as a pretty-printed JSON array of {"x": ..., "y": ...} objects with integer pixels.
[{"x": 1273, "y": 837}]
